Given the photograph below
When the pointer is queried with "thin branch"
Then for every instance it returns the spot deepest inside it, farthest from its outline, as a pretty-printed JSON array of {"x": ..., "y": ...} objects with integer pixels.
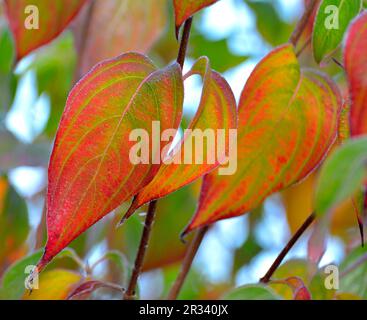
[
  {"x": 301, "y": 25},
  {"x": 304, "y": 46},
  {"x": 184, "y": 42},
  {"x": 287, "y": 248},
  {"x": 130, "y": 292},
  {"x": 186, "y": 264}
]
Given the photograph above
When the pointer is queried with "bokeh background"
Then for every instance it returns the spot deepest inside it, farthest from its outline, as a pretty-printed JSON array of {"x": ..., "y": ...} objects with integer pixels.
[{"x": 235, "y": 35}]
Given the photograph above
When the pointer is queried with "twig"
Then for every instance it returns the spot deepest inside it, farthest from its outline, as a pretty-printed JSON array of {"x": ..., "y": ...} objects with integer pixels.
[
  {"x": 287, "y": 248},
  {"x": 304, "y": 46},
  {"x": 184, "y": 42},
  {"x": 186, "y": 264},
  {"x": 130, "y": 292},
  {"x": 302, "y": 23}
]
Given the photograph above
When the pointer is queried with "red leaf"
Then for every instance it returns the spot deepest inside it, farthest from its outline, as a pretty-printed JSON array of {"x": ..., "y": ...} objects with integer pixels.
[
  {"x": 86, "y": 288},
  {"x": 184, "y": 9},
  {"x": 300, "y": 291},
  {"x": 217, "y": 111},
  {"x": 355, "y": 62},
  {"x": 54, "y": 16},
  {"x": 287, "y": 122},
  {"x": 90, "y": 172}
]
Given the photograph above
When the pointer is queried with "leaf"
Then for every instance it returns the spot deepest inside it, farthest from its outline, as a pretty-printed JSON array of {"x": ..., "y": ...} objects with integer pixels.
[
  {"x": 220, "y": 56},
  {"x": 90, "y": 171},
  {"x": 54, "y": 285},
  {"x": 88, "y": 287},
  {"x": 184, "y": 9},
  {"x": 355, "y": 63},
  {"x": 251, "y": 292},
  {"x": 332, "y": 20},
  {"x": 217, "y": 110},
  {"x": 7, "y": 51},
  {"x": 300, "y": 291},
  {"x": 14, "y": 225},
  {"x": 14, "y": 278},
  {"x": 53, "y": 16},
  {"x": 341, "y": 175},
  {"x": 287, "y": 122},
  {"x": 129, "y": 25},
  {"x": 268, "y": 22}
]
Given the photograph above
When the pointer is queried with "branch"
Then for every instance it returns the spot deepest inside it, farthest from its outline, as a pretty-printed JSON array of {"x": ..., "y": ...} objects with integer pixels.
[
  {"x": 186, "y": 264},
  {"x": 130, "y": 292},
  {"x": 287, "y": 248},
  {"x": 302, "y": 23}
]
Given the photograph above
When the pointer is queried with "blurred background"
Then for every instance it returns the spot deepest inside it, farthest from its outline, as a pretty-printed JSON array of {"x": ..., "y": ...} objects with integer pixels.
[{"x": 235, "y": 35}]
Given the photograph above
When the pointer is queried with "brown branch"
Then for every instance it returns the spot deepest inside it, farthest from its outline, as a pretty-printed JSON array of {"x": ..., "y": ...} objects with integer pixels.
[
  {"x": 300, "y": 27},
  {"x": 186, "y": 264},
  {"x": 304, "y": 46},
  {"x": 184, "y": 42},
  {"x": 287, "y": 248},
  {"x": 130, "y": 292}
]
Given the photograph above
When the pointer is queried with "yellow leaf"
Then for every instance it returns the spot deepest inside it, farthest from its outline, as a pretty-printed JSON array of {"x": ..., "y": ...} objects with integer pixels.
[{"x": 54, "y": 285}]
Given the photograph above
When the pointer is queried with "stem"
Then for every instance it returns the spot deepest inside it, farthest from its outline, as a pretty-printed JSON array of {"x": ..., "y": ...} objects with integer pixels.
[
  {"x": 302, "y": 23},
  {"x": 186, "y": 264},
  {"x": 184, "y": 42},
  {"x": 130, "y": 292},
  {"x": 287, "y": 248},
  {"x": 304, "y": 46}
]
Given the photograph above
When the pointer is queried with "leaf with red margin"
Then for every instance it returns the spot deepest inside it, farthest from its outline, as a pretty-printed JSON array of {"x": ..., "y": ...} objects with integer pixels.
[
  {"x": 288, "y": 119},
  {"x": 184, "y": 9},
  {"x": 217, "y": 111},
  {"x": 86, "y": 288},
  {"x": 128, "y": 25},
  {"x": 54, "y": 16},
  {"x": 355, "y": 62},
  {"x": 300, "y": 291},
  {"x": 90, "y": 172}
]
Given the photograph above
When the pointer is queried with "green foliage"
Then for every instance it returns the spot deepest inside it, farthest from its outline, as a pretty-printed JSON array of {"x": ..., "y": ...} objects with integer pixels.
[
  {"x": 341, "y": 175},
  {"x": 332, "y": 20},
  {"x": 251, "y": 292}
]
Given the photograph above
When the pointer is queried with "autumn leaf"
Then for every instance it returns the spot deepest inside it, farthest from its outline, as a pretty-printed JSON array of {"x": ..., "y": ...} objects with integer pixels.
[
  {"x": 332, "y": 20},
  {"x": 53, "y": 16},
  {"x": 355, "y": 63},
  {"x": 300, "y": 291},
  {"x": 184, "y": 9},
  {"x": 86, "y": 288},
  {"x": 288, "y": 120},
  {"x": 129, "y": 25},
  {"x": 90, "y": 171},
  {"x": 217, "y": 111},
  {"x": 55, "y": 284}
]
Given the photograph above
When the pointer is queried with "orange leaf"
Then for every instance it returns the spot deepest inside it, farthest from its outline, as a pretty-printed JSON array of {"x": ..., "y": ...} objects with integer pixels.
[
  {"x": 217, "y": 111},
  {"x": 128, "y": 25},
  {"x": 300, "y": 291},
  {"x": 90, "y": 171},
  {"x": 287, "y": 122},
  {"x": 355, "y": 63},
  {"x": 184, "y": 9},
  {"x": 37, "y": 22}
]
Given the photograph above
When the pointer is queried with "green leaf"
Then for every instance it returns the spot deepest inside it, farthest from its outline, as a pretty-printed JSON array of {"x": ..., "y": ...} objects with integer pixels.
[
  {"x": 341, "y": 175},
  {"x": 220, "y": 57},
  {"x": 332, "y": 20},
  {"x": 251, "y": 292},
  {"x": 7, "y": 50},
  {"x": 268, "y": 22},
  {"x": 13, "y": 280}
]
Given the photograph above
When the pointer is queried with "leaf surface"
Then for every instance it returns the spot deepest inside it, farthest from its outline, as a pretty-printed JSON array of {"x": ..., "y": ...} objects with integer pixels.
[
  {"x": 287, "y": 122},
  {"x": 355, "y": 62},
  {"x": 332, "y": 20},
  {"x": 341, "y": 175},
  {"x": 128, "y": 25},
  {"x": 53, "y": 17},
  {"x": 217, "y": 111},
  {"x": 90, "y": 171}
]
